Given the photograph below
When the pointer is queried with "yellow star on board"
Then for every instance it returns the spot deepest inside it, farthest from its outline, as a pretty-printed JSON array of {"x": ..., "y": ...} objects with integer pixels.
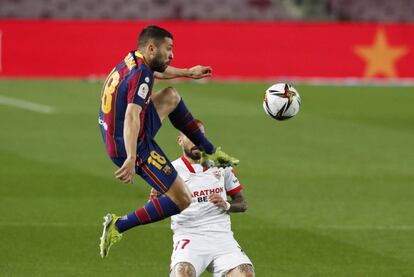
[{"x": 380, "y": 57}]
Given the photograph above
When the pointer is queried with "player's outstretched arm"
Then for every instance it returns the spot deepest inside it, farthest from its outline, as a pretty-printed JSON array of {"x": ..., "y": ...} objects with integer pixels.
[
  {"x": 195, "y": 72},
  {"x": 238, "y": 204},
  {"x": 131, "y": 129}
]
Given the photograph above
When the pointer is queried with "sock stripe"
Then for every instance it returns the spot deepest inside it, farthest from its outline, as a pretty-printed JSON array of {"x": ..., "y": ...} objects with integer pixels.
[
  {"x": 158, "y": 207},
  {"x": 143, "y": 215},
  {"x": 154, "y": 178},
  {"x": 192, "y": 127},
  {"x": 155, "y": 210},
  {"x": 182, "y": 119}
]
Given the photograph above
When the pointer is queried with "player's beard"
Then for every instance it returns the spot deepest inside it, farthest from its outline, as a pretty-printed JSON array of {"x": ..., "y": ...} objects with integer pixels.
[
  {"x": 157, "y": 63},
  {"x": 193, "y": 153}
]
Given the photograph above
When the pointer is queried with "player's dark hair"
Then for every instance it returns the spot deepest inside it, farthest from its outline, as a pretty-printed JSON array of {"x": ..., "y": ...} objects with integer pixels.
[{"x": 157, "y": 34}]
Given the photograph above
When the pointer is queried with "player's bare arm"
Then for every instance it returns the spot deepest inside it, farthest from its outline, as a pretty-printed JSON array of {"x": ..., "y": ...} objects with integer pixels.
[
  {"x": 131, "y": 129},
  {"x": 195, "y": 72},
  {"x": 238, "y": 203}
]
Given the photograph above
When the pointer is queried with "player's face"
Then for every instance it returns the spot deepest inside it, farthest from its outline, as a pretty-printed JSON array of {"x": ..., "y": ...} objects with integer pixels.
[
  {"x": 163, "y": 56},
  {"x": 190, "y": 150}
]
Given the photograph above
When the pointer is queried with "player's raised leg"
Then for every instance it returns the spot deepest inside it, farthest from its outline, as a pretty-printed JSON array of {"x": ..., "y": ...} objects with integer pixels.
[
  {"x": 169, "y": 103},
  {"x": 172, "y": 202}
]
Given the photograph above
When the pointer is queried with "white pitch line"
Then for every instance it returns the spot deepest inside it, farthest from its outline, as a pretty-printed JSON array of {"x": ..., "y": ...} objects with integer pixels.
[{"x": 26, "y": 105}]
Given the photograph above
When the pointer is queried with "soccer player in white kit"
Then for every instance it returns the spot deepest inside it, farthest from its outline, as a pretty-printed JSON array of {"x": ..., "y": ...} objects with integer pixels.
[{"x": 202, "y": 238}]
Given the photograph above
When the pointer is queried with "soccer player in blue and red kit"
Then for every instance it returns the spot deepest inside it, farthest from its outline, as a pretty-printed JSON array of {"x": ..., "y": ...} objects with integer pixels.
[{"x": 130, "y": 117}]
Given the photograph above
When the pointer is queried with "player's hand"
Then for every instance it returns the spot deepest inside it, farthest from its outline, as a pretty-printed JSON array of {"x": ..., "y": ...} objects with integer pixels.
[
  {"x": 200, "y": 71},
  {"x": 127, "y": 171},
  {"x": 217, "y": 200}
]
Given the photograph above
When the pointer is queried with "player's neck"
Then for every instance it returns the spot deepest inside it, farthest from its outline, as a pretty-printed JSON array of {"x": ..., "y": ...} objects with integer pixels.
[{"x": 141, "y": 54}]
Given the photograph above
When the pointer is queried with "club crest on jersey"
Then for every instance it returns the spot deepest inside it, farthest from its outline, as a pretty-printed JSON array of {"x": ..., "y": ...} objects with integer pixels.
[
  {"x": 167, "y": 170},
  {"x": 143, "y": 91},
  {"x": 217, "y": 174},
  {"x": 147, "y": 79}
]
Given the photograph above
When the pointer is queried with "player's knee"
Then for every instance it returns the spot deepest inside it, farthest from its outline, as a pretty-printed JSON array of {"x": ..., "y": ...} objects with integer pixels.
[
  {"x": 172, "y": 96},
  {"x": 183, "y": 269},
  {"x": 185, "y": 200},
  {"x": 181, "y": 199},
  {"x": 243, "y": 270}
]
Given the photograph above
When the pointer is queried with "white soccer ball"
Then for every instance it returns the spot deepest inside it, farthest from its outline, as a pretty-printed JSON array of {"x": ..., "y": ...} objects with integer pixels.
[{"x": 281, "y": 101}]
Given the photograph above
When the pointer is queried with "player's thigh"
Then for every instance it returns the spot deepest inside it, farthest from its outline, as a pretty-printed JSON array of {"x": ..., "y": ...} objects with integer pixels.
[
  {"x": 165, "y": 101},
  {"x": 242, "y": 270},
  {"x": 228, "y": 259},
  {"x": 154, "y": 166},
  {"x": 183, "y": 269},
  {"x": 191, "y": 250},
  {"x": 156, "y": 169},
  {"x": 179, "y": 193}
]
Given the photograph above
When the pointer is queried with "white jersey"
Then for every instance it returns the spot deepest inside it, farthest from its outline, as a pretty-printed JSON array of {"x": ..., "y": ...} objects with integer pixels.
[{"x": 202, "y": 215}]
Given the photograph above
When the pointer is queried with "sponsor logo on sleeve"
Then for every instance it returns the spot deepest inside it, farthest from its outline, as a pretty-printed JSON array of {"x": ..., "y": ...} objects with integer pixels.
[
  {"x": 103, "y": 124},
  {"x": 143, "y": 91}
]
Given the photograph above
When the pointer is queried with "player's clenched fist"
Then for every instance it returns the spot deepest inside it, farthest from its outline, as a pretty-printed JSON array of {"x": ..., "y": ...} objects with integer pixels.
[
  {"x": 127, "y": 171},
  {"x": 200, "y": 71}
]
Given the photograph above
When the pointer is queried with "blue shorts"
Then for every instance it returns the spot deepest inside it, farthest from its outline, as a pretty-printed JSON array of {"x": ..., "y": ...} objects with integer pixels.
[{"x": 152, "y": 164}]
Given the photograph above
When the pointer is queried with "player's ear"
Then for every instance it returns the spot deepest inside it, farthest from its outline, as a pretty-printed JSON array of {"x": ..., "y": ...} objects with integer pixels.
[
  {"x": 151, "y": 47},
  {"x": 179, "y": 140}
]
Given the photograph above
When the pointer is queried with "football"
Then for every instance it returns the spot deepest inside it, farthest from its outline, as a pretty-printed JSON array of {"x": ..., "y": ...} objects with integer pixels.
[{"x": 281, "y": 101}]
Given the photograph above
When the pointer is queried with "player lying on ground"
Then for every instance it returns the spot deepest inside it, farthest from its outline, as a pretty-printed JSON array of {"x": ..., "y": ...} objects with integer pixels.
[
  {"x": 130, "y": 117},
  {"x": 203, "y": 239}
]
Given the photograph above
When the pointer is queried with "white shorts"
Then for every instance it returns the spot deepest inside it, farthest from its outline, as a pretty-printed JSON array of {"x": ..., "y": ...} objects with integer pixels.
[{"x": 217, "y": 254}]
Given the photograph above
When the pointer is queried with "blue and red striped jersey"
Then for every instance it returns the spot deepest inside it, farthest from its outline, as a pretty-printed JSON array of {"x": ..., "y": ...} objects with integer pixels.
[{"x": 130, "y": 82}]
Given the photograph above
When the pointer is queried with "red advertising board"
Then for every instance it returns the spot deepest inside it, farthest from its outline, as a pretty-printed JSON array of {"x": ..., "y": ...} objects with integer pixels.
[{"x": 246, "y": 50}]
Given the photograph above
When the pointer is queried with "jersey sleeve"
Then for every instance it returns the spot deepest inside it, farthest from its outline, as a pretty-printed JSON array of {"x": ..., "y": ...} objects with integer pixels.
[
  {"x": 231, "y": 182},
  {"x": 139, "y": 86}
]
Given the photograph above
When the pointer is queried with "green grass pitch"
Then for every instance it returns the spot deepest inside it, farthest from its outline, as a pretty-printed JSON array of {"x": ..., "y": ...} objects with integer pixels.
[{"x": 330, "y": 191}]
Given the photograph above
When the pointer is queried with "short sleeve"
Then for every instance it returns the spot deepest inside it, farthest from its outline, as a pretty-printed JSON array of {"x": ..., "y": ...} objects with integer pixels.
[
  {"x": 139, "y": 87},
  {"x": 231, "y": 182}
]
